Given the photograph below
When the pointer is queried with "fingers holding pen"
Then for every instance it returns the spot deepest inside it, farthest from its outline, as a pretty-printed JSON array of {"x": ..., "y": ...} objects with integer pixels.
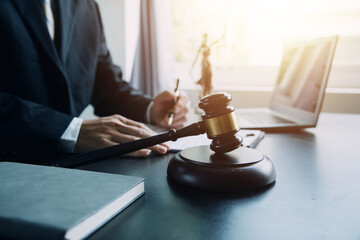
[
  {"x": 183, "y": 104},
  {"x": 181, "y": 110}
]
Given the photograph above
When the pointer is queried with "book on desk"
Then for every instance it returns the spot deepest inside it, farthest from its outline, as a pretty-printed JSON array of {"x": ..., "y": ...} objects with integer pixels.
[{"x": 39, "y": 202}]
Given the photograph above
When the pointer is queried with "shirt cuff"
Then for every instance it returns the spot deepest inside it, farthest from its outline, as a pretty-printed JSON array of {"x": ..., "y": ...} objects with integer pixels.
[
  {"x": 68, "y": 139},
  {"x": 147, "y": 116}
]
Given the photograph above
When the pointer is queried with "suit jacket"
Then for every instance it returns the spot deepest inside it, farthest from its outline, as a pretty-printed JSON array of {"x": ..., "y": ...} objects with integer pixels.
[{"x": 44, "y": 84}]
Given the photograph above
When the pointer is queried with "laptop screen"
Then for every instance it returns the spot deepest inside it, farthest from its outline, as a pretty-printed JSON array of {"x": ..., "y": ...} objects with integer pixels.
[{"x": 303, "y": 74}]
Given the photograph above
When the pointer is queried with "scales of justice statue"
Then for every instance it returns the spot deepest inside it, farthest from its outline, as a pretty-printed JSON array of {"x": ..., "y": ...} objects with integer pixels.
[{"x": 205, "y": 81}]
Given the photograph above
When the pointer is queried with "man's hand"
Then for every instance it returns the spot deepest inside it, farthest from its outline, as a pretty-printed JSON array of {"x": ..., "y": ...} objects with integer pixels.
[
  {"x": 112, "y": 130},
  {"x": 159, "y": 113}
]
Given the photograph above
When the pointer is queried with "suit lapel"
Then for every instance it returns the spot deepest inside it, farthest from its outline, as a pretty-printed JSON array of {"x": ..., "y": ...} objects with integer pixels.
[
  {"x": 68, "y": 10},
  {"x": 33, "y": 17}
]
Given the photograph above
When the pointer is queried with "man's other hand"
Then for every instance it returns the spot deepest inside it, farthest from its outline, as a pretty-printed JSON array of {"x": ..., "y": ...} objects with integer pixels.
[
  {"x": 112, "y": 130},
  {"x": 159, "y": 113}
]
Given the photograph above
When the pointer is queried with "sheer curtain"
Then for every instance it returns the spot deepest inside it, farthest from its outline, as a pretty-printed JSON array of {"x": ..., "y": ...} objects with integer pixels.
[{"x": 153, "y": 64}]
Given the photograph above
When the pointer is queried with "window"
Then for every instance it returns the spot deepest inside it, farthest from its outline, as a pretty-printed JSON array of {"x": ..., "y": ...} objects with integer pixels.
[
  {"x": 121, "y": 23},
  {"x": 248, "y": 36}
]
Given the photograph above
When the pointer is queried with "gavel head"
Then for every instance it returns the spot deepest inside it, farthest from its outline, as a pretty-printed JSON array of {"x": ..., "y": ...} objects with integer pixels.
[{"x": 220, "y": 122}]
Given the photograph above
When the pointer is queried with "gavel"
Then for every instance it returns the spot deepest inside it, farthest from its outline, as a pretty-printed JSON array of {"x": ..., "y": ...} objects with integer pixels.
[{"x": 218, "y": 122}]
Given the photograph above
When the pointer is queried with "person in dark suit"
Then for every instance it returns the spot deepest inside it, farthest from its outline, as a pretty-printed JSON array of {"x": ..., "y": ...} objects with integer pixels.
[{"x": 49, "y": 75}]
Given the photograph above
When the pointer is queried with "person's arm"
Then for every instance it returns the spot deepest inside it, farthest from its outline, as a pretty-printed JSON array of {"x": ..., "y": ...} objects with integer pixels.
[
  {"x": 26, "y": 126},
  {"x": 113, "y": 95},
  {"x": 159, "y": 112},
  {"x": 116, "y": 102},
  {"x": 112, "y": 130},
  {"x": 115, "y": 129}
]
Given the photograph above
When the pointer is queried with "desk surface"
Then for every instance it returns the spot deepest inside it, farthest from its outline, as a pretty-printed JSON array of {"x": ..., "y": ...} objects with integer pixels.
[{"x": 316, "y": 195}]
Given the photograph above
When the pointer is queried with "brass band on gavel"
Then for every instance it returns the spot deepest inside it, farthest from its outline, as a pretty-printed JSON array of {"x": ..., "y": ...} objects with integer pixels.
[{"x": 221, "y": 124}]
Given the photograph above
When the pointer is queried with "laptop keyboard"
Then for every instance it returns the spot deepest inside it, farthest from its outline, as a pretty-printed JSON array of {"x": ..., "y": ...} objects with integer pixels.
[{"x": 262, "y": 118}]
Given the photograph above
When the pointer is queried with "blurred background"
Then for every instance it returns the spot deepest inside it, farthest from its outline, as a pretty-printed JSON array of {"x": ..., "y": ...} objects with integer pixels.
[{"x": 156, "y": 41}]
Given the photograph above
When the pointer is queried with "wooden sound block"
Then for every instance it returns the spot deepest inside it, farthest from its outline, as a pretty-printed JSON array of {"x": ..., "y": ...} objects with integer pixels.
[{"x": 240, "y": 169}]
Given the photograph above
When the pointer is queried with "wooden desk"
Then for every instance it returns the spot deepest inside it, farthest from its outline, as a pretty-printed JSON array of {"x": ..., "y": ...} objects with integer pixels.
[{"x": 316, "y": 195}]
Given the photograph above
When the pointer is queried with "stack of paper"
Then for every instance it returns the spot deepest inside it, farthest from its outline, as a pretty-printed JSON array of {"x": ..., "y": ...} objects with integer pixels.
[{"x": 250, "y": 139}]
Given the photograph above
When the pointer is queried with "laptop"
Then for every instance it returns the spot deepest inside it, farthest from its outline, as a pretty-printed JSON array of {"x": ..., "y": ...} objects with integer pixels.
[{"x": 300, "y": 88}]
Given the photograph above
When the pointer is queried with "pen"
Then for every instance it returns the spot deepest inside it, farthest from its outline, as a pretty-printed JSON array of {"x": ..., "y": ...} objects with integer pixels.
[{"x": 171, "y": 111}]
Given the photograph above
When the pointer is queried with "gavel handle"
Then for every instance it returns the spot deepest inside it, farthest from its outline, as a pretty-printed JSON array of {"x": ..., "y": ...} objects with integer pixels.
[{"x": 172, "y": 134}]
